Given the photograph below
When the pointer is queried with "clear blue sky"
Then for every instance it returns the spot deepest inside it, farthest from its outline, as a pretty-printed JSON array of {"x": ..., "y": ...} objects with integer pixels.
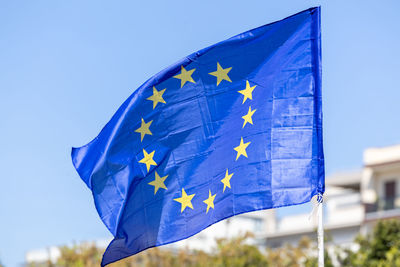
[{"x": 66, "y": 66}]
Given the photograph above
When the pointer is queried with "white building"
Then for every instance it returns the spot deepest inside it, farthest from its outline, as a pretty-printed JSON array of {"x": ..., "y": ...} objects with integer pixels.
[
  {"x": 343, "y": 215},
  {"x": 253, "y": 222},
  {"x": 380, "y": 186},
  {"x": 354, "y": 201}
]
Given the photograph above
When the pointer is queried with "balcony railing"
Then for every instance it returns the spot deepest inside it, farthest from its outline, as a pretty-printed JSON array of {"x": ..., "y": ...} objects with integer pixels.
[{"x": 383, "y": 204}]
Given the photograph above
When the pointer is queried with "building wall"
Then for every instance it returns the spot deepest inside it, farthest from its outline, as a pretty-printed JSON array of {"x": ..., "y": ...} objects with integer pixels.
[{"x": 206, "y": 240}]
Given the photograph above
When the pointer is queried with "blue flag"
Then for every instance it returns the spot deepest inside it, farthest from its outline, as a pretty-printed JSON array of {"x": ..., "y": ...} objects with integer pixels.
[{"x": 232, "y": 128}]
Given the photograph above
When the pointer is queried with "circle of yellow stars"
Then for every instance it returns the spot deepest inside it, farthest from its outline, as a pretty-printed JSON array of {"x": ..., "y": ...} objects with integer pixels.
[{"x": 185, "y": 76}]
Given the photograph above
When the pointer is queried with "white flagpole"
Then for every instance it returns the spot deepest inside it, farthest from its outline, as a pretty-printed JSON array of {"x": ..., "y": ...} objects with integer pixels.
[{"x": 320, "y": 237}]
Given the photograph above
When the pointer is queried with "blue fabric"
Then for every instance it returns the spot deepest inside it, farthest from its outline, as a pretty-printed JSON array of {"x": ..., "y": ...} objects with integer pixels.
[{"x": 195, "y": 130}]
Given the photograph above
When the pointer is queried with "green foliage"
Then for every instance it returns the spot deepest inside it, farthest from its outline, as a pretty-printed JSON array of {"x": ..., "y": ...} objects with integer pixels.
[
  {"x": 304, "y": 254},
  {"x": 379, "y": 249},
  {"x": 229, "y": 252},
  {"x": 80, "y": 256},
  {"x": 313, "y": 261},
  {"x": 235, "y": 252}
]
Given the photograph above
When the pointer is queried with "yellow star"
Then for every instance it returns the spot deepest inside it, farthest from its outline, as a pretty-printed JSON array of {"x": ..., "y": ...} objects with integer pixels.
[
  {"x": 157, "y": 97},
  {"x": 185, "y": 76},
  {"x": 247, "y": 92},
  {"x": 241, "y": 149},
  {"x": 185, "y": 200},
  {"x": 144, "y": 129},
  {"x": 158, "y": 182},
  {"x": 210, "y": 201},
  {"x": 221, "y": 74},
  {"x": 247, "y": 118},
  {"x": 148, "y": 159},
  {"x": 227, "y": 180}
]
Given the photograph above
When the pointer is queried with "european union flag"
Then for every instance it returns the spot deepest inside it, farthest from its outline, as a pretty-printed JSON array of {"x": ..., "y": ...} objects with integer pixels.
[{"x": 232, "y": 128}]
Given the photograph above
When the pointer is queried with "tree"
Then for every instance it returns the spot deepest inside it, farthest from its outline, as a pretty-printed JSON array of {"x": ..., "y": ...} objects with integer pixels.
[
  {"x": 80, "y": 256},
  {"x": 379, "y": 249},
  {"x": 304, "y": 254},
  {"x": 236, "y": 252},
  {"x": 233, "y": 252}
]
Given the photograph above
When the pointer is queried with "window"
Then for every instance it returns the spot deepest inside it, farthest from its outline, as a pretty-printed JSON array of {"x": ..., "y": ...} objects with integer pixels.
[{"x": 390, "y": 195}]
